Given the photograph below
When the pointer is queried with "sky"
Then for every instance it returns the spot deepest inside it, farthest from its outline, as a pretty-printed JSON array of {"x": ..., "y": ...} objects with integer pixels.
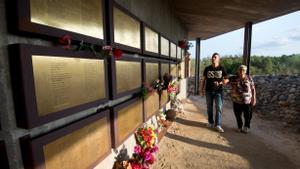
[{"x": 273, "y": 37}]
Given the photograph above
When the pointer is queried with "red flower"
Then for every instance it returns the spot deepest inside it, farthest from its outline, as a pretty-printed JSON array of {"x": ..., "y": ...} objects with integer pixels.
[
  {"x": 118, "y": 53},
  {"x": 66, "y": 41},
  {"x": 183, "y": 44},
  {"x": 136, "y": 165}
]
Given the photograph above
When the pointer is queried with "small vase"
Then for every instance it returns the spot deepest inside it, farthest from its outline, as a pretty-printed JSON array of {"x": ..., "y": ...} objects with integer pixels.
[{"x": 171, "y": 115}]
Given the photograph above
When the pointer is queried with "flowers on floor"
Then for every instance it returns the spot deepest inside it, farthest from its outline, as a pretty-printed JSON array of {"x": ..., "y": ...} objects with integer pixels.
[
  {"x": 161, "y": 120},
  {"x": 144, "y": 150}
]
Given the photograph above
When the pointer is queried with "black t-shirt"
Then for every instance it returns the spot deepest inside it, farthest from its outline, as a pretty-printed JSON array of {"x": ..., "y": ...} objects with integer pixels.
[{"x": 214, "y": 74}]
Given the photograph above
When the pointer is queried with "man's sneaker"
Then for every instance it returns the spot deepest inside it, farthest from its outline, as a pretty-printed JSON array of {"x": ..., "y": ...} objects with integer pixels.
[
  {"x": 239, "y": 130},
  {"x": 210, "y": 125},
  {"x": 219, "y": 128},
  {"x": 246, "y": 130}
]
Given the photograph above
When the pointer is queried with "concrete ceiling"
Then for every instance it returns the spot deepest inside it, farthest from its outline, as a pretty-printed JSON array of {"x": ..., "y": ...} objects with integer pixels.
[{"x": 209, "y": 18}]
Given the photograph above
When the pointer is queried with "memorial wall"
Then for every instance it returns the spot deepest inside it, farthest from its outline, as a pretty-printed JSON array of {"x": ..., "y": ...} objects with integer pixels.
[{"x": 53, "y": 83}]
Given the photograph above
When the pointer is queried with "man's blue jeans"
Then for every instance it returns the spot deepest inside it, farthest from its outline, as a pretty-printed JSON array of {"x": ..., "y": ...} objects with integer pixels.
[{"x": 218, "y": 98}]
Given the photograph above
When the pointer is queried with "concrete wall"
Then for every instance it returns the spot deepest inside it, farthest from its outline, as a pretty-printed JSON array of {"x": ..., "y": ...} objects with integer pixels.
[
  {"x": 156, "y": 13},
  {"x": 159, "y": 14}
]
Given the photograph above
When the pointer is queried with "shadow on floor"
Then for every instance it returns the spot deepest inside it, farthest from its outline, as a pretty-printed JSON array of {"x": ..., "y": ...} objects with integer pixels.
[
  {"x": 190, "y": 122},
  {"x": 249, "y": 146}
]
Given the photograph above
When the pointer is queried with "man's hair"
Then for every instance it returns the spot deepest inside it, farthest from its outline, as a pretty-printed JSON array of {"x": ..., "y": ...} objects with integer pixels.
[{"x": 215, "y": 54}]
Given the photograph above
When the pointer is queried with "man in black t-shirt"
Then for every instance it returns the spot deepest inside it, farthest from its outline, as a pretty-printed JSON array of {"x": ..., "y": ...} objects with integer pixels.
[{"x": 214, "y": 77}]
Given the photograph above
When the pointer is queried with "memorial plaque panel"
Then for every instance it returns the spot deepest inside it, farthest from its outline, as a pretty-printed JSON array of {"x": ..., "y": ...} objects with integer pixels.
[
  {"x": 81, "y": 17},
  {"x": 174, "y": 70},
  {"x": 82, "y": 144},
  {"x": 62, "y": 82},
  {"x": 164, "y": 45},
  {"x": 151, "y": 40},
  {"x": 51, "y": 83},
  {"x": 127, "y": 117},
  {"x": 173, "y": 51},
  {"x": 128, "y": 75},
  {"x": 151, "y": 72},
  {"x": 127, "y": 30},
  {"x": 151, "y": 105}
]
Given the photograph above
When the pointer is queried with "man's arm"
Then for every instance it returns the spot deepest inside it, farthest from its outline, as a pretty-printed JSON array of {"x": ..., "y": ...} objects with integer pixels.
[
  {"x": 203, "y": 85},
  {"x": 226, "y": 78}
]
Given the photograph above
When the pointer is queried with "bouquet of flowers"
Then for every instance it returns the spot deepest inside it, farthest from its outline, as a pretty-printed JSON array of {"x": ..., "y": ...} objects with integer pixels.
[
  {"x": 143, "y": 155},
  {"x": 161, "y": 120},
  {"x": 172, "y": 90},
  {"x": 149, "y": 89}
]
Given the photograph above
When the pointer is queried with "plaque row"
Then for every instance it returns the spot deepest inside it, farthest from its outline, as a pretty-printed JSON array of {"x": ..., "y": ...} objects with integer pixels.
[
  {"x": 51, "y": 83},
  {"x": 95, "y": 22}
]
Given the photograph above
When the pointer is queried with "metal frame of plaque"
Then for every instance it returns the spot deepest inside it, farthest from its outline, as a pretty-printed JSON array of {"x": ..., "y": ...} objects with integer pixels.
[
  {"x": 161, "y": 77},
  {"x": 114, "y": 44},
  {"x": 116, "y": 141},
  {"x": 33, "y": 149},
  {"x": 24, "y": 89},
  {"x": 21, "y": 23},
  {"x": 113, "y": 76},
  {"x": 148, "y": 60},
  {"x": 3, "y": 156},
  {"x": 145, "y": 52}
]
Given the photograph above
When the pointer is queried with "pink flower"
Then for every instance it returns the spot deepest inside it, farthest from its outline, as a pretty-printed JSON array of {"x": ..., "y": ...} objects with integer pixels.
[
  {"x": 148, "y": 156},
  {"x": 137, "y": 149},
  {"x": 155, "y": 149}
]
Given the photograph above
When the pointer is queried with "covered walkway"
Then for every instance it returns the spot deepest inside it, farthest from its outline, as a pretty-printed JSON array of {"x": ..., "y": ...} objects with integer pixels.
[{"x": 190, "y": 144}]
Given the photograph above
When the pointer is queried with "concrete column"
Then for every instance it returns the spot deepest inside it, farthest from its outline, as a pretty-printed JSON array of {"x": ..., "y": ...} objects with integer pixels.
[
  {"x": 197, "y": 66},
  {"x": 247, "y": 45}
]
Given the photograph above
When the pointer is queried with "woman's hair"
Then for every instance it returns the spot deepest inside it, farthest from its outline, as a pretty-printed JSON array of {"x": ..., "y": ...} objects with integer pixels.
[{"x": 243, "y": 67}]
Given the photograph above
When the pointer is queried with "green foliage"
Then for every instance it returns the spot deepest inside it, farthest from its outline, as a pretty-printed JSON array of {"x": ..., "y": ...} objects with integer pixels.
[{"x": 259, "y": 65}]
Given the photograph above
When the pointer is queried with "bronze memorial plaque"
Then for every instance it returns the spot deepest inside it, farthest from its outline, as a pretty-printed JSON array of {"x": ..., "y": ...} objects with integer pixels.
[
  {"x": 64, "y": 82},
  {"x": 151, "y": 103},
  {"x": 178, "y": 53},
  {"x": 151, "y": 40},
  {"x": 174, "y": 70},
  {"x": 182, "y": 68},
  {"x": 164, "y": 69},
  {"x": 128, "y": 75},
  {"x": 126, "y": 29},
  {"x": 80, "y": 148},
  {"x": 164, "y": 44},
  {"x": 80, "y": 17},
  {"x": 151, "y": 72},
  {"x": 128, "y": 119},
  {"x": 164, "y": 97},
  {"x": 173, "y": 51}
]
